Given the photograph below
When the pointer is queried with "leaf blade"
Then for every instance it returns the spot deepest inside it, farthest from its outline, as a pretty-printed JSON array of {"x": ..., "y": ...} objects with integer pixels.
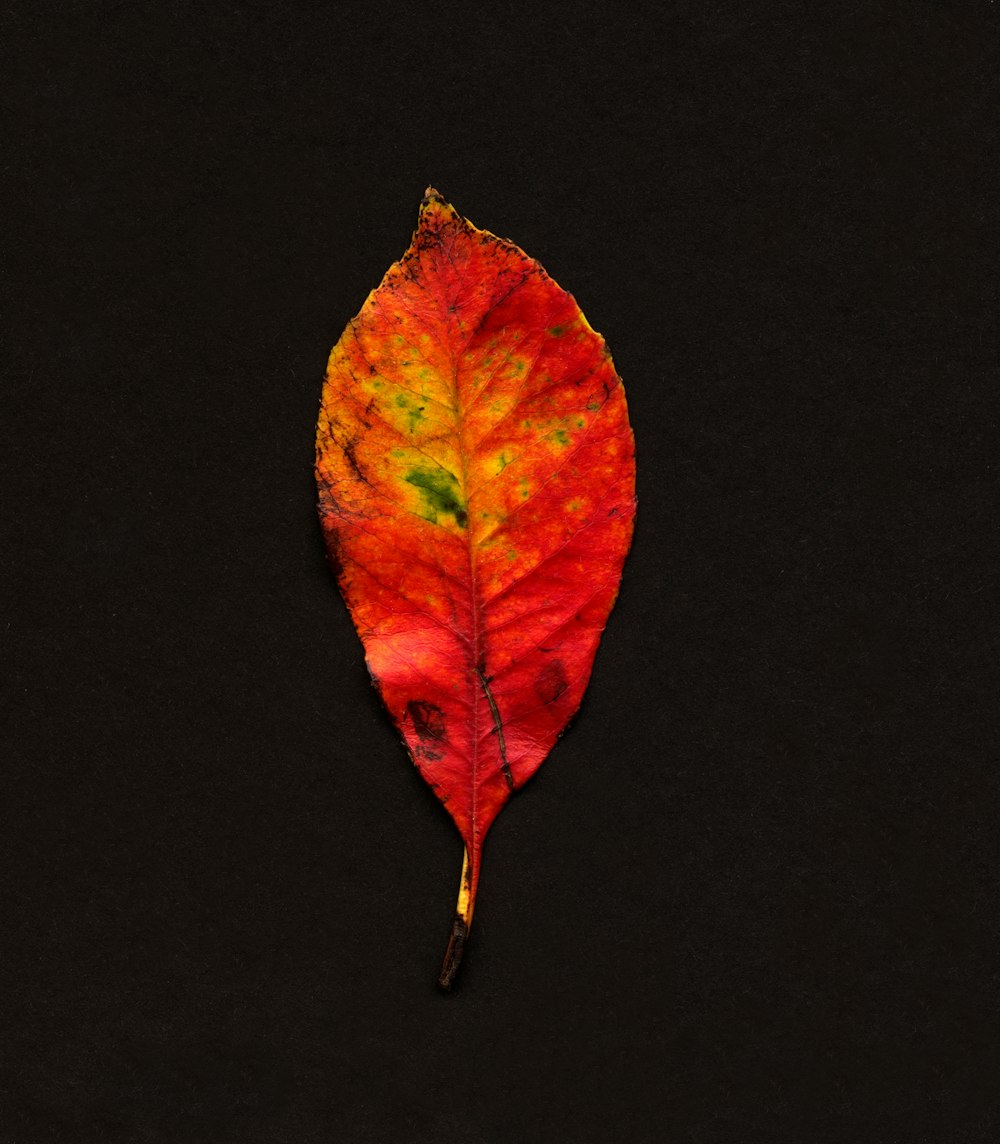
[{"x": 476, "y": 474}]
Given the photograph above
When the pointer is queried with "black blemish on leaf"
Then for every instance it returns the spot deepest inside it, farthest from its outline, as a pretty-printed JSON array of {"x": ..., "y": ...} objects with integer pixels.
[
  {"x": 334, "y": 549},
  {"x": 551, "y": 682},
  {"x": 427, "y": 719},
  {"x": 352, "y": 459},
  {"x": 485, "y": 679}
]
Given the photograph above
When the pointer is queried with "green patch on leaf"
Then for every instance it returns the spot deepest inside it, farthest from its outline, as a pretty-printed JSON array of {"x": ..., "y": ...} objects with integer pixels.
[
  {"x": 415, "y": 413},
  {"x": 439, "y": 492}
]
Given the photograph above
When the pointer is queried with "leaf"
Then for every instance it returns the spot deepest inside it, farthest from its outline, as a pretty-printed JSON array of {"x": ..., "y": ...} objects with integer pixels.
[{"x": 476, "y": 475}]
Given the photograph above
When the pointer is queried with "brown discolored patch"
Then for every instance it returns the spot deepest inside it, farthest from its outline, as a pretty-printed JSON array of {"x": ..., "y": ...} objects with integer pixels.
[
  {"x": 334, "y": 546},
  {"x": 551, "y": 682},
  {"x": 352, "y": 460},
  {"x": 427, "y": 719}
]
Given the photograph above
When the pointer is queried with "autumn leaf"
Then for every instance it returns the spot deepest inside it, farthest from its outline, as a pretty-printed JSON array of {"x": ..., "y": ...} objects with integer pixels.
[{"x": 476, "y": 475}]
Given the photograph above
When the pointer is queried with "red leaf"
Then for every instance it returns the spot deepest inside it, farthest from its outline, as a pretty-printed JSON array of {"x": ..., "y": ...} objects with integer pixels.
[{"x": 477, "y": 488}]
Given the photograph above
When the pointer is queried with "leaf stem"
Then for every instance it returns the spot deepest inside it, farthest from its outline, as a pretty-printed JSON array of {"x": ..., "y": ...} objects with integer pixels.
[{"x": 459, "y": 927}]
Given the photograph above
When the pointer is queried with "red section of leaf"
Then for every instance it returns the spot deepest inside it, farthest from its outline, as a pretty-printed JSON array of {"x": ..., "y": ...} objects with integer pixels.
[{"x": 477, "y": 477}]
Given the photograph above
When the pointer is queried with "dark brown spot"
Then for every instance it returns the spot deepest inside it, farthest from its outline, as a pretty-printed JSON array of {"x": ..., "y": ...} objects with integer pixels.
[
  {"x": 334, "y": 548},
  {"x": 551, "y": 682},
  {"x": 427, "y": 719}
]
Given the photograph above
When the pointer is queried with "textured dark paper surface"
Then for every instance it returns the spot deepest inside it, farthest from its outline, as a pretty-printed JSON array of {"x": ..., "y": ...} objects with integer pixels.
[{"x": 748, "y": 898}]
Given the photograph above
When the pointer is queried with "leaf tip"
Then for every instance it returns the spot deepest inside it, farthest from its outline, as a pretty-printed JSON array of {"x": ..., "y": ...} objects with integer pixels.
[{"x": 434, "y": 207}]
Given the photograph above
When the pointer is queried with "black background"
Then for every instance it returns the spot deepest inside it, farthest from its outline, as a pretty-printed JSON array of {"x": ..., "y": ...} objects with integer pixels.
[{"x": 749, "y": 896}]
